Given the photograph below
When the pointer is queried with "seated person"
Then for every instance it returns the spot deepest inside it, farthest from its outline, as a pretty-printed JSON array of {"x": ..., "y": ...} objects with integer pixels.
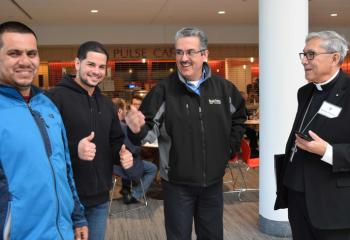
[
  {"x": 136, "y": 101},
  {"x": 251, "y": 134},
  {"x": 149, "y": 169}
]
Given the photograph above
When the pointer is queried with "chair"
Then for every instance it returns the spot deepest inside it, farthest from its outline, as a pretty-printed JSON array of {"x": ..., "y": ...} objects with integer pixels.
[
  {"x": 234, "y": 163},
  {"x": 249, "y": 162},
  {"x": 118, "y": 173}
]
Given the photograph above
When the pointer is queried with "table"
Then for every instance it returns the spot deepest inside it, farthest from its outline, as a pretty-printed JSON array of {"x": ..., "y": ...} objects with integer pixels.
[{"x": 252, "y": 122}]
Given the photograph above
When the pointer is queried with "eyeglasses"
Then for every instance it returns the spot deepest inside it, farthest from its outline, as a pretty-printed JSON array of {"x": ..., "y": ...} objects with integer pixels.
[
  {"x": 190, "y": 52},
  {"x": 311, "y": 55}
]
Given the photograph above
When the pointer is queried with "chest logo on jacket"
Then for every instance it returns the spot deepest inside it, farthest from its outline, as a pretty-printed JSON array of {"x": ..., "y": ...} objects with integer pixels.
[{"x": 214, "y": 101}]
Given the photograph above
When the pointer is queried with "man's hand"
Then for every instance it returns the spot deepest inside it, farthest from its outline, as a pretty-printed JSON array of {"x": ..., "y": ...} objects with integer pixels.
[
  {"x": 126, "y": 158},
  {"x": 134, "y": 119},
  {"x": 317, "y": 145},
  {"x": 81, "y": 233},
  {"x": 86, "y": 148}
]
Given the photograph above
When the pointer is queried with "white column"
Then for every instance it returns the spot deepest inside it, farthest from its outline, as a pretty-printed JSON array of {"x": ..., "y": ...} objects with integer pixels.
[{"x": 283, "y": 26}]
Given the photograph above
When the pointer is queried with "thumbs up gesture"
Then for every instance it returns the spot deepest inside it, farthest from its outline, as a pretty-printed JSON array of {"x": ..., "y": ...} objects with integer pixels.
[
  {"x": 134, "y": 119},
  {"x": 86, "y": 148},
  {"x": 126, "y": 158}
]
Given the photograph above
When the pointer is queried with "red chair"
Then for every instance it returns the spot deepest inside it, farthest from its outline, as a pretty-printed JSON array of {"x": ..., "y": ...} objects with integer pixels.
[{"x": 249, "y": 162}]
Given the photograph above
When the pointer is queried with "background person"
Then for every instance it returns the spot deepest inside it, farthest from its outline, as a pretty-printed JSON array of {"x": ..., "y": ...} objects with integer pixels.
[
  {"x": 148, "y": 169},
  {"x": 250, "y": 132},
  {"x": 38, "y": 199},
  {"x": 94, "y": 134},
  {"x": 316, "y": 173},
  {"x": 136, "y": 101},
  {"x": 198, "y": 119}
]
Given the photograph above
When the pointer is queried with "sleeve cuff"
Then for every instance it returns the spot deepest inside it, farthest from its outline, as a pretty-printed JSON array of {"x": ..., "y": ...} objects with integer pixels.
[{"x": 328, "y": 156}]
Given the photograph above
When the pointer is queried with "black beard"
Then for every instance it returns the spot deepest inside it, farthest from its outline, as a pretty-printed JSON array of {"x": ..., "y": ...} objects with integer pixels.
[{"x": 85, "y": 82}]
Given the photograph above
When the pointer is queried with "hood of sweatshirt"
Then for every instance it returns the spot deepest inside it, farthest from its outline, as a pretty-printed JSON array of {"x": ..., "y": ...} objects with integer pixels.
[{"x": 68, "y": 82}]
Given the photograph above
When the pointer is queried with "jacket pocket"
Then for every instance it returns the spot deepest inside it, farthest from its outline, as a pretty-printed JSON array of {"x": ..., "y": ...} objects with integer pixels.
[{"x": 343, "y": 182}]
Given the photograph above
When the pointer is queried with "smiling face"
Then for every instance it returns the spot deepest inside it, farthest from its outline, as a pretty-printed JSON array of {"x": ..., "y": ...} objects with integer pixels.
[
  {"x": 91, "y": 70},
  {"x": 323, "y": 66},
  {"x": 19, "y": 60},
  {"x": 190, "y": 66}
]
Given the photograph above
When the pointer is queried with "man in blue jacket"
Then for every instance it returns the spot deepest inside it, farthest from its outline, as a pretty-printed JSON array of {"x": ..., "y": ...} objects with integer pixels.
[
  {"x": 38, "y": 199},
  {"x": 198, "y": 119}
]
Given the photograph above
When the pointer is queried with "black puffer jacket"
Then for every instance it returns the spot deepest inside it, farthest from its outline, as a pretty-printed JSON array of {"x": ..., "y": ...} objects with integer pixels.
[
  {"x": 82, "y": 114},
  {"x": 197, "y": 134}
]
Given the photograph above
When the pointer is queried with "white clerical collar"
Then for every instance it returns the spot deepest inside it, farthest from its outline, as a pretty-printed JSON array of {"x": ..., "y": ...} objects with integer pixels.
[{"x": 319, "y": 85}]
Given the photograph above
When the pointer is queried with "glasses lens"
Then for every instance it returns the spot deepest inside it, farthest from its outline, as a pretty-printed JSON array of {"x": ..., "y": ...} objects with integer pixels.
[
  {"x": 310, "y": 55},
  {"x": 191, "y": 52},
  {"x": 179, "y": 52}
]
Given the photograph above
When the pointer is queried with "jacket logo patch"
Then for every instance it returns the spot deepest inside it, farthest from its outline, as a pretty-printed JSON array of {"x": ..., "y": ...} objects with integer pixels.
[{"x": 214, "y": 101}]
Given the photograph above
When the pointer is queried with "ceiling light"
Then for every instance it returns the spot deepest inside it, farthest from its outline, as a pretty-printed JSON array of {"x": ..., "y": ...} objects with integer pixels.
[
  {"x": 334, "y": 14},
  {"x": 143, "y": 60},
  {"x": 251, "y": 59},
  {"x": 221, "y": 12},
  {"x": 94, "y": 11}
]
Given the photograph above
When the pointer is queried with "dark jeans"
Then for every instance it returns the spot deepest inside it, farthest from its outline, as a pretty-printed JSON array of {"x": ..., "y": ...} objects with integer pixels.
[
  {"x": 183, "y": 204},
  {"x": 299, "y": 219},
  {"x": 97, "y": 220}
]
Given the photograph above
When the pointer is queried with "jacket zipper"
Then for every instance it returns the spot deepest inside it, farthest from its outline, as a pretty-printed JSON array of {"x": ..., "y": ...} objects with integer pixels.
[
  {"x": 203, "y": 147},
  {"x": 42, "y": 128}
]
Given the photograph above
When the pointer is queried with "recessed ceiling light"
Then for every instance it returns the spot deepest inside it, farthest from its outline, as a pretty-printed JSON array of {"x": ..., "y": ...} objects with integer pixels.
[
  {"x": 94, "y": 11},
  {"x": 334, "y": 14},
  {"x": 221, "y": 12}
]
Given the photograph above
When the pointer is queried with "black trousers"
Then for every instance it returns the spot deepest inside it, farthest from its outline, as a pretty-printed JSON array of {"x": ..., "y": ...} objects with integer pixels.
[
  {"x": 183, "y": 204},
  {"x": 253, "y": 138},
  {"x": 300, "y": 223}
]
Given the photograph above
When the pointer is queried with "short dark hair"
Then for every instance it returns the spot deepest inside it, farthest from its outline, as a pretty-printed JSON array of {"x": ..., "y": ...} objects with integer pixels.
[
  {"x": 14, "y": 27},
  {"x": 137, "y": 97},
  {"x": 91, "y": 46}
]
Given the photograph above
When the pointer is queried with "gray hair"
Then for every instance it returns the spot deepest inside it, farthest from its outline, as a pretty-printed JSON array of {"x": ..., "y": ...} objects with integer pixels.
[
  {"x": 332, "y": 42},
  {"x": 193, "y": 32}
]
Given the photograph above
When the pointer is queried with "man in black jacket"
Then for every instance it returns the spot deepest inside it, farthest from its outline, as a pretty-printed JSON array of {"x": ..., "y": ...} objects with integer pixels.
[
  {"x": 315, "y": 179},
  {"x": 94, "y": 134},
  {"x": 199, "y": 122}
]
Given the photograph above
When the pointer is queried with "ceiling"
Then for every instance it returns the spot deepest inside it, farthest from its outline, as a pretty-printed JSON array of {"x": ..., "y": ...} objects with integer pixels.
[{"x": 159, "y": 12}]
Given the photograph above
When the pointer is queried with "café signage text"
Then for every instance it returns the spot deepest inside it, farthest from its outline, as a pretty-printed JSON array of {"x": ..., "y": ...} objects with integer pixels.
[{"x": 140, "y": 52}]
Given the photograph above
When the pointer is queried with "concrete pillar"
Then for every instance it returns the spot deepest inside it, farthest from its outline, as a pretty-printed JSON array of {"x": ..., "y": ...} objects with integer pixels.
[{"x": 283, "y": 26}]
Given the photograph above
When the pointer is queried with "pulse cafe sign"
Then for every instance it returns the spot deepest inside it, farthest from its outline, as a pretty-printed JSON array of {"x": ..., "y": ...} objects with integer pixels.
[{"x": 134, "y": 53}]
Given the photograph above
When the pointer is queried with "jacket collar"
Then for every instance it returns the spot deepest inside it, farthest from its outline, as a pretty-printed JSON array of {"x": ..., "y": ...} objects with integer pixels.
[
  {"x": 206, "y": 68},
  {"x": 12, "y": 92},
  {"x": 68, "y": 82}
]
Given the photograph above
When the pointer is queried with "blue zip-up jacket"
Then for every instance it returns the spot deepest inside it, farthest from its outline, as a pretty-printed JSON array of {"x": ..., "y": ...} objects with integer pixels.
[{"x": 38, "y": 199}]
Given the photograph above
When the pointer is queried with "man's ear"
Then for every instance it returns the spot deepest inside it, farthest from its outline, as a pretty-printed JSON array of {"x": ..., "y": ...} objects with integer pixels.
[
  {"x": 77, "y": 64},
  {"x": 336, "y": 58}
]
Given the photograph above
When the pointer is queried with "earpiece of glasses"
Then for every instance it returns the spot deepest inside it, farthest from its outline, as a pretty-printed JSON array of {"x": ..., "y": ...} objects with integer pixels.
[{"x": 190, "y": 52}]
